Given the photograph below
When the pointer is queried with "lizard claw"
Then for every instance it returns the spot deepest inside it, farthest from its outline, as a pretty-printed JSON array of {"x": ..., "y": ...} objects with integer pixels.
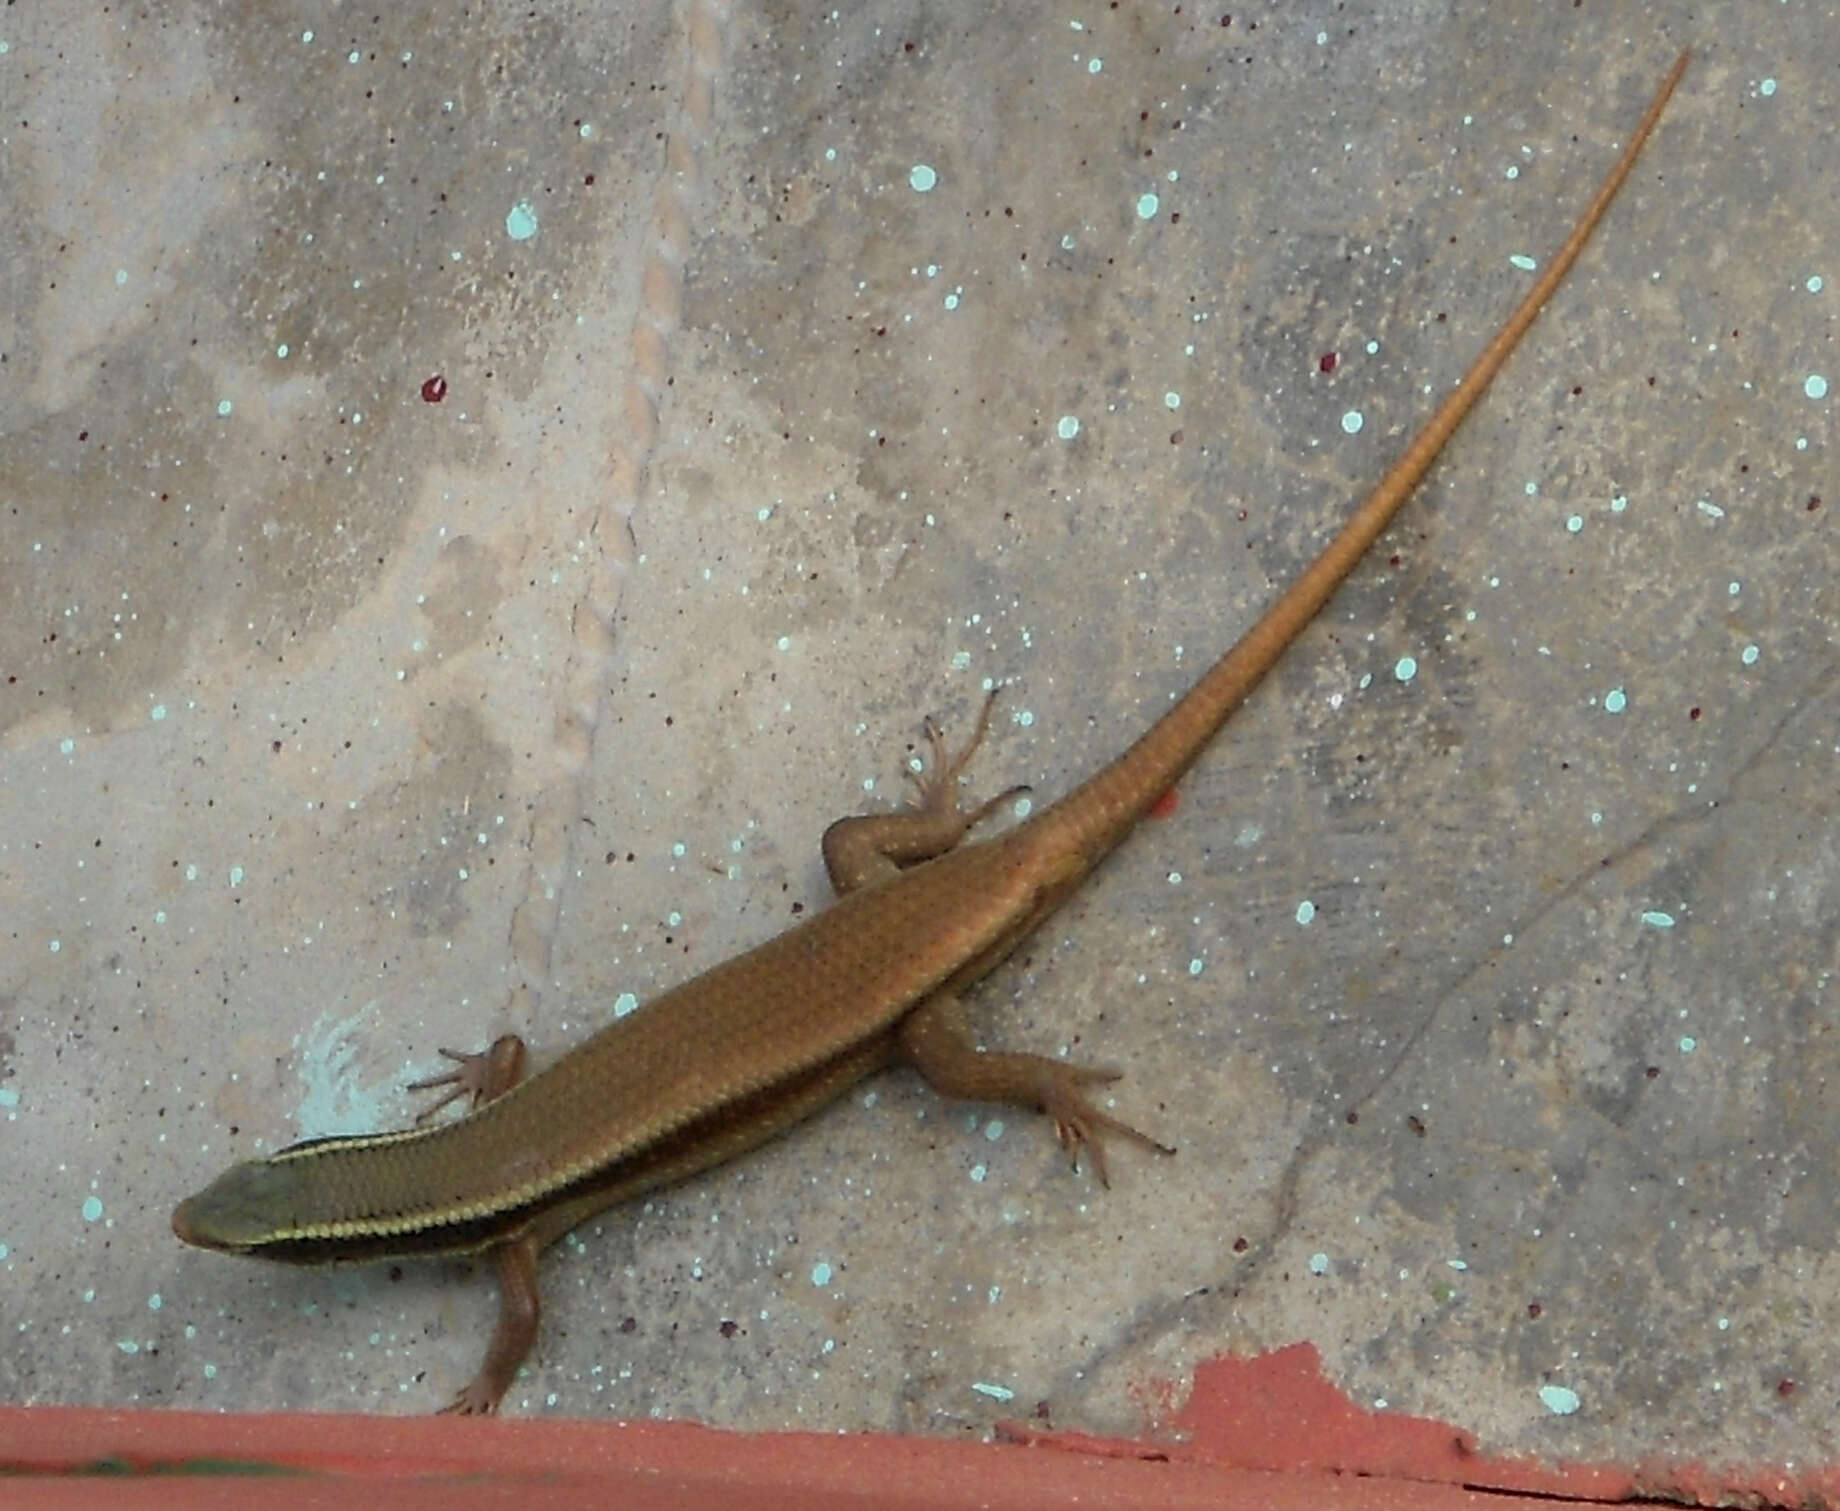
[{"x": 1080, "y": 1126}]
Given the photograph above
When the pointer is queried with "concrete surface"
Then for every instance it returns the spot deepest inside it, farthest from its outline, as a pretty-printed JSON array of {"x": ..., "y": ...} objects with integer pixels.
[{"x": 1489, "y": 1005}]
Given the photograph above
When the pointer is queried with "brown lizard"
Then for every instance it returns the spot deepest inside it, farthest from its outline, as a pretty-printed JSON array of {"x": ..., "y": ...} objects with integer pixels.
[{"x": 738, "y": 1054}]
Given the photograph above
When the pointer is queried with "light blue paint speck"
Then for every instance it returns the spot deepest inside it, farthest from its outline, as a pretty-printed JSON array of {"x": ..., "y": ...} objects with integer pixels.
[
  {"x": 1067, "y": 242},
  {"x": 978, "y": 1174},
  {"x": 92, "y": 1209},
  {"x": 9, "y": 1097},
  {"x": 1574, "y": 524},
  {"x": 121, "y": 277},
  {"x": 674, "y": 919},
  {"x": 678, "y": 852},
  {"x": 66, "y": 746},
  {"x": 1814, "y": 284},
  {"x": 236, "y": 876},
  {"x": 1815, "y": 386},
  {"x": 224, "y": 406},
  {"x": 1457, "y": 1264},
  {"x": 820, "y": 1273},
  {"x": 1172, "y": 400},
  {"x": 922, "y": 179},
  {"x": 1196, "y": 966},
  {"x": 1352, "y": 422},
  {"x": 1688, "y": 1044},
  {"x": 1306, "y": 913},
  {"x": 1319, "y": 1264},
  {"x": 1405, "y": 669},
  {"x": 625, "y": 1004},
  {"x": 4, "y": 1251},
  {"x": 1749, "y": 655},
  {"x": 1373, "y": 348},
  {"x": 1067, "y": 427},
  {"x": 159, "y": 915},
  {"x": 1615, "y": 701},
  {"x": 1558, "y": 1400},
  {"x": 1147, "y": 206},
  {"x": 127, "y": 1346},
  {"x": 158, "y": 713},
  {"x": 993, "y": 1130},
  {"x": 521, "y": 222},
  {"x": 951, "y": 299},
  {"x": 5, "y": 47},
  {"x": 1733, "y": 589},
  {"x": 1094, "y": 65},
  {"x": 1513, "y": 172},
  {"x": 586, "y": 131},
  {"x": 155, "y": 1302},
  {"x": 354, "y": 56},
  {"x": 784, "y": 643},
  {"x": 281, "y": 351},
  {"x": 763, "y": 514},
  {"x": 1709, "y": 509},
  {"x": 1656, "y": 919},
  {"x": 1767, "y": 88},
  {"x": 1619, "y": 503},
  {"x": 57, "y": 946},
  {"x": 1525, "y": 263},
  {"x": 306, "y": 36},
  {"x": 1530, "y": 489},
  {"x": 995, "y": 1392}
]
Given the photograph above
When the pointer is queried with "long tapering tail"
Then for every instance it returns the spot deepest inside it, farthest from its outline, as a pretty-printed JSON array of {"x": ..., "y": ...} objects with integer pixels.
[{"x": 1102, "y": 810}]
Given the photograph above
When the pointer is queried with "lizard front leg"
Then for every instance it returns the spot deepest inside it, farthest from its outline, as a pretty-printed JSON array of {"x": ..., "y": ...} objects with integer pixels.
[
  {"x": 872, "y": 847},
  {"x": 482, "y": 1078}
]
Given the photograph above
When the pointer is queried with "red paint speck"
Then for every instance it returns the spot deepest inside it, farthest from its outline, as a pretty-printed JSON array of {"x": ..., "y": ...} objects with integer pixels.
[
  {"x": 434, "y": 389},
  {"x": 1326, "y": 362},
  {"x": 1166, "y": 805}
]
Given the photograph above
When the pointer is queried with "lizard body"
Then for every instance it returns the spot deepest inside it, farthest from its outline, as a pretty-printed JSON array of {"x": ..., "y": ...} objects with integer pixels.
[{"x": 732, "y": 1057}]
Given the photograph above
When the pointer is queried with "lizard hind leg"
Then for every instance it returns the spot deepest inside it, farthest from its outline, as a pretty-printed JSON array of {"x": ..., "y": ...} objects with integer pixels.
[
  {"x": 872, "y": 847},
  {"x": 936, "y": 1040}
]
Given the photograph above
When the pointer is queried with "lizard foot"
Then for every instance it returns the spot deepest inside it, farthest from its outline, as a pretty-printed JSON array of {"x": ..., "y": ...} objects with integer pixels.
[
  {"x": 476, "y": 1400},
  {"x": 481, "y": 1076},
  {"x": 1078, "y": 1124},
  {"x": 937, "y": 783}
]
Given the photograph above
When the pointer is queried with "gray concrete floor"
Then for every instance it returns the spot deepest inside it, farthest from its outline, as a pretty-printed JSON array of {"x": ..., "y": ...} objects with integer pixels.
[{"x": 1491, "y": 1006}]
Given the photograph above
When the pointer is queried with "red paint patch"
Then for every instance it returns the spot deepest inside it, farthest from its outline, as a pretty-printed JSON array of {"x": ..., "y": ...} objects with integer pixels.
[
  {"x": 1166, "y": 805},
  {"x": 1275, "y": 1413},
  {"x": 434, "y": 389}
]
